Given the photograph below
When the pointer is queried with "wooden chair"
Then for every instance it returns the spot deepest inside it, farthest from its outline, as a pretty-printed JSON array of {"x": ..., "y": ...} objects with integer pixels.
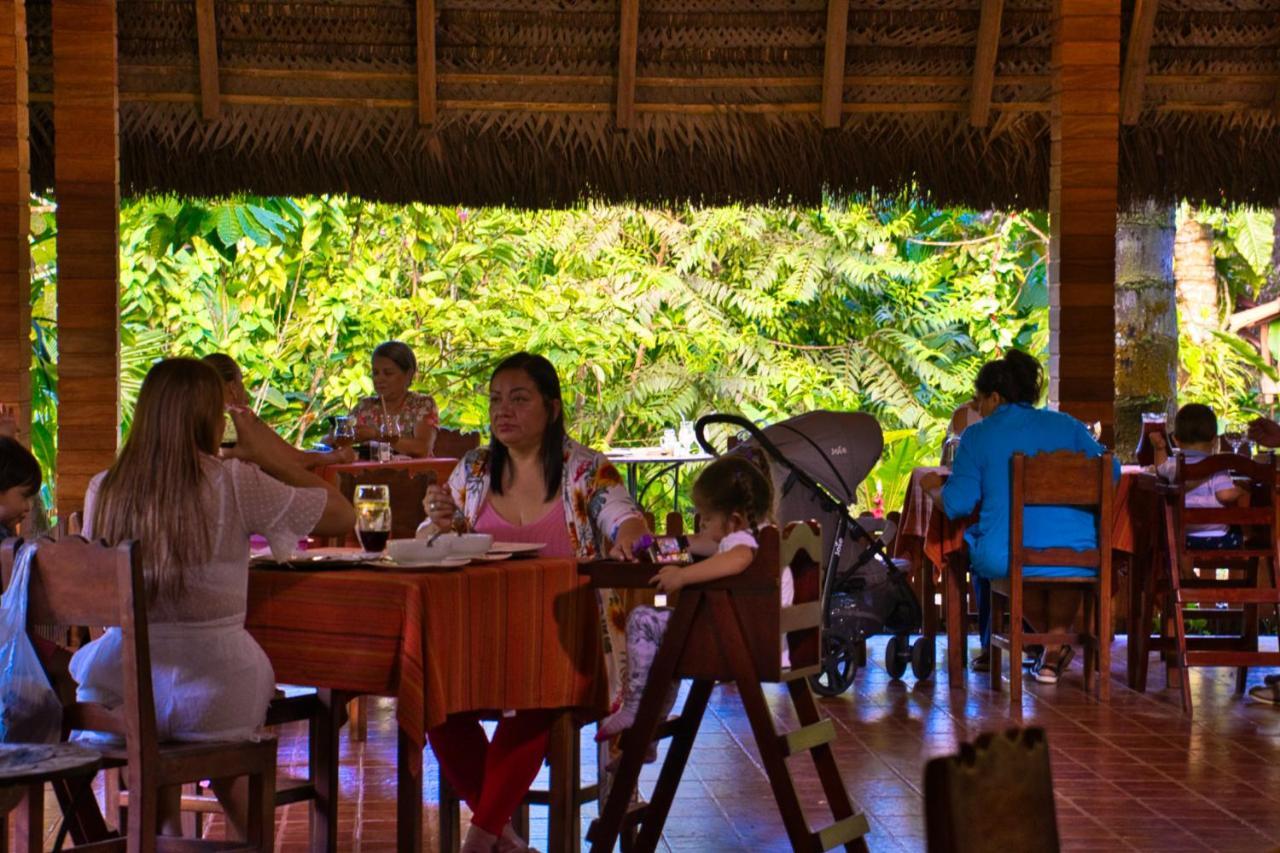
[
  {"x": 74, "y": 582},
  {"x": 731, "y": 630},
  {"x": 995, "y": 795},
  {"x": 452, "y": 444},
  {"x": 1191, "y": 579},
  {"x": 1056, "y": 479}
]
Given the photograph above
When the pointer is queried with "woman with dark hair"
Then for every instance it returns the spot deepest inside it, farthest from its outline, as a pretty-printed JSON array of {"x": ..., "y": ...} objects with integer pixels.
[
  {"x": 393, "y": 368},
  {"x": 531, "y": 484},
  {"x": 1007, "y": 391}
]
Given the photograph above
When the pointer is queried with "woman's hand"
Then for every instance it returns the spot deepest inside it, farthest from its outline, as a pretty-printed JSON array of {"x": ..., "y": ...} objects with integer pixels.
[
  {"x": 624, "y": 543},
  {"x": 669, "y": 579},
  {"x": 931, "y": 481},
  {"x": 364, "y": 433},
  {"x": 1158, "y": 442},
  {"x": 1265, "y": 432},
  {"x": 440, "y": 507}
]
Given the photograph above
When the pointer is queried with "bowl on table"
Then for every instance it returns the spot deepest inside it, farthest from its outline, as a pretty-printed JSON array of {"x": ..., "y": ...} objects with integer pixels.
[
  {"x": 470, "y": 544},
  {"x": 420, "y": 550}
]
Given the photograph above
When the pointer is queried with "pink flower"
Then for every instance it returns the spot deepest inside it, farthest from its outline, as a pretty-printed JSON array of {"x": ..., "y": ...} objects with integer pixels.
[{"x": 462, "y": 215}]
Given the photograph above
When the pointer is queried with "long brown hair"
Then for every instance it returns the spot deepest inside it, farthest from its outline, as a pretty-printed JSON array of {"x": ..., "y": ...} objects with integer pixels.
[{"x": 152, "y": 492}]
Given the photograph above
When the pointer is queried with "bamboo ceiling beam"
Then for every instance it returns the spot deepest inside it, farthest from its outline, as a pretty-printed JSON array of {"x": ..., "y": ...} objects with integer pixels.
[
  {"x": 207, "y": 48},
  {"x": 833, "y": 61},
  {"x": 427, "y": 72},
  {"x": 628, "y": 45},
  {"x": 984, "y": 63},
  {"x": 1136, "y": 56}
]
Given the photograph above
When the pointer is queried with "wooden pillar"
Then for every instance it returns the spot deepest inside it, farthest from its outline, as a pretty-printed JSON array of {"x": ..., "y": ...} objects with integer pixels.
[
  {"x": 1084, "y": 171},
  {"x": 87, "y": 188},
  {"x": 15, "y": 212}
]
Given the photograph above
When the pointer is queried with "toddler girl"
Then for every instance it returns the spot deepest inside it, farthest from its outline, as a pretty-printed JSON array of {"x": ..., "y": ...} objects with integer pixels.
[
  {"x": 1196, "y": 428},
  {"x": 732, "y": 496}
]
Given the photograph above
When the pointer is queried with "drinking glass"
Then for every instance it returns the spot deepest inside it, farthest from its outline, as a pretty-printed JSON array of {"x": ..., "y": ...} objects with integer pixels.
[
  {"x": 344, "y": 431},
  {"x": 373, "y": 516},
  {"x": 1095, "y": 430}
]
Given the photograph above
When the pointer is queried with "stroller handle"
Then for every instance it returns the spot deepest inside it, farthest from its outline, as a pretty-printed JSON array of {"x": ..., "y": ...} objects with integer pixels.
[{"x": 703, "y": 422}]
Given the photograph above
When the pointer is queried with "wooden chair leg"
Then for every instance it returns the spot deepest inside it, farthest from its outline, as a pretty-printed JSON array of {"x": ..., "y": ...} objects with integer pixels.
[
  {"x": 1089, "y": 616},
  {"x": 1104, "y": 634},
  {"x": 450, "y": 817},
  {"x": 358, "y": 719},
  {"x": 1015, "y": 648},
  {"x": 28, "y": 822},
  {"x": 564, "y": 825},
  {"x": 824, "y": 759},
  {"x": 995, "y": 626},
  {"x": 664, "y": 792},
  {"x": 733, "y": 644}
]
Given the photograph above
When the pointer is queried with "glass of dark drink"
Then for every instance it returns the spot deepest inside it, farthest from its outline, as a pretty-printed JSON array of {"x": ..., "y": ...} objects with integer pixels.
[
  {"x": 1152, "y": 422},
  {"x": 344, "y": 432},
  {"x": 373, "y": 517}
]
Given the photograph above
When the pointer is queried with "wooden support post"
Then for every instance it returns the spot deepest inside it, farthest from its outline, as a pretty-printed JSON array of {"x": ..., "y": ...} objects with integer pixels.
[
  {"x": 1083, "y": 175},
  {"x": 628, "y": 44},
  {"x": 833, "y": 61},
  {"x": 426, "y": 62},
  {"x": 207, "y": 46},
  {"x": 1136, "y": 56},
  {"x": 86, "y": 162},
  {"x": 15, "y": 212},
  {"x": 984, "y": 63}
]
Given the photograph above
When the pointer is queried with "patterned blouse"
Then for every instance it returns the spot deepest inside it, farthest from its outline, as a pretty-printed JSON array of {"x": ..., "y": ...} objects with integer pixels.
[{"x": 418, "y": 406}]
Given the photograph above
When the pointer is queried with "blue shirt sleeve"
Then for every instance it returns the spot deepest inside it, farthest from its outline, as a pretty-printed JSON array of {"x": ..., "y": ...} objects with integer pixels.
[{"x": 963, "y": 490}]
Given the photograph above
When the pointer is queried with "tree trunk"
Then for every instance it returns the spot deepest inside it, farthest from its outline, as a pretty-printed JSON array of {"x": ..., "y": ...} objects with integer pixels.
[
  {"x": 1197, "y": 279},
  {"x": 1146, "y": 321}
]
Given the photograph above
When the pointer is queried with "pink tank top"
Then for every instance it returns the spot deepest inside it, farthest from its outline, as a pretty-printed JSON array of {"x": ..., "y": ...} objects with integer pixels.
[{"x": 550, "y": 529}]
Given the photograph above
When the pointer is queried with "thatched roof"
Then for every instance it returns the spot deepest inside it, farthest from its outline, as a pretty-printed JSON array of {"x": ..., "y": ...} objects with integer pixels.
[{"x": 321, "y": 96}]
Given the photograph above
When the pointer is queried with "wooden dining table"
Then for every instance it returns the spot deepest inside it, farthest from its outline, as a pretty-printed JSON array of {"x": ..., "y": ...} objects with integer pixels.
[
  {"x": 935, "y": 545},
  {"x": 490, "y": 637}
]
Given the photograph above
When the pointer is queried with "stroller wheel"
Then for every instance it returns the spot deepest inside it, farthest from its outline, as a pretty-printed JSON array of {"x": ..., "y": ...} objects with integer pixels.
[
  {"x": 896, "y": 656},
  {"x": 922, "y": 658},
  {"x": 839, "y": 667}
]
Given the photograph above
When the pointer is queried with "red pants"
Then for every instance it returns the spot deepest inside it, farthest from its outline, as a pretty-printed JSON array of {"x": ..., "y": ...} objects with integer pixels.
[{"x": 492, "y": 778}]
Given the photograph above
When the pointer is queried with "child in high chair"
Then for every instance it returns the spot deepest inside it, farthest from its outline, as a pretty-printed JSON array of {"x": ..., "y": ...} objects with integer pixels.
[
  {"x": 733, "y": 497},
  {"x": 1196, "y": 429}
]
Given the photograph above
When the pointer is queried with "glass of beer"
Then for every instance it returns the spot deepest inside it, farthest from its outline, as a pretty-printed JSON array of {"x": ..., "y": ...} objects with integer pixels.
[{"x": 373, "y": 517}]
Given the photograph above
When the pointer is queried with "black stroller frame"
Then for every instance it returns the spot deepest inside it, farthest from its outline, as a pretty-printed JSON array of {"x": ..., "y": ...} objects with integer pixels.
[{"x": 841, "y": 655}]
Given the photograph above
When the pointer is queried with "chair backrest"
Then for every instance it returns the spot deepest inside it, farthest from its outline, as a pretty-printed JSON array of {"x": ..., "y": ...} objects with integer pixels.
[
  {"x": 1261, "y": 507},
  {"x": 453, "y": 444},
  {"x": 756, "y": 597},
  {"x": 995, "y": 795},
  {"x": 1061, "y": 478},
  {"x": 75, "y": 582}
]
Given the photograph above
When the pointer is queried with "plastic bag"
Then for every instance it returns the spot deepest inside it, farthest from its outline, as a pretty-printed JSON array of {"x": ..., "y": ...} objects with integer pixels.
[{"x": 29, "y": 708}]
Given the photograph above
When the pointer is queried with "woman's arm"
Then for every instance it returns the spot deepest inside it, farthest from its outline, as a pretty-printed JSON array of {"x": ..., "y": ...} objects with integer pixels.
[
  {"x": 963, "y": 491},
  {"x": 723, "y": 565},
  {"x": 421, "y": 443},
  {"x": 258, "y": 443}
]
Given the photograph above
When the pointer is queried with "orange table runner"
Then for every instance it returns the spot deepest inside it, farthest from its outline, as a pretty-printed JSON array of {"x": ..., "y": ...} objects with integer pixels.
[{"x": 520, "y": 634}]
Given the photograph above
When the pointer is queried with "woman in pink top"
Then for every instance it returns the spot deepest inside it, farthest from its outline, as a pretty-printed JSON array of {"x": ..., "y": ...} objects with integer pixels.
[{"x": 531, "y": 484}]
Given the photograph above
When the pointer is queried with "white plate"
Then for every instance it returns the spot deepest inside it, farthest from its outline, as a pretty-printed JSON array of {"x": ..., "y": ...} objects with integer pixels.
[
  {"x": 448, "y": 563},
  {"x": 516, "y": 547},
  {"x": 495, "y": 556}
]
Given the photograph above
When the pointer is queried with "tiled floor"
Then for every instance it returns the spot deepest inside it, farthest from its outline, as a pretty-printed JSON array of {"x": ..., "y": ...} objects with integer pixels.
[{"x": 1134, "y": 775}]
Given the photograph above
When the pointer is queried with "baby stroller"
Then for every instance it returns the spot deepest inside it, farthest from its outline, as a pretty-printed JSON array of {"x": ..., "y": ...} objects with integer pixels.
[{"x": 817, "y": 460}]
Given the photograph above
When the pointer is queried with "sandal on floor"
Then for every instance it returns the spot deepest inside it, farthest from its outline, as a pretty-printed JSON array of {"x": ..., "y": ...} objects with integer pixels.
[
  {"x": 982, "y": 663},
  {"x": 1049, "y": 673},
  {"x": 1268, "y": 692}
]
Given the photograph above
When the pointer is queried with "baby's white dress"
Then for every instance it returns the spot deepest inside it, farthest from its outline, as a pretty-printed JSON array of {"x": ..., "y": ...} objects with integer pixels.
[{"x": 211, "y": 679}]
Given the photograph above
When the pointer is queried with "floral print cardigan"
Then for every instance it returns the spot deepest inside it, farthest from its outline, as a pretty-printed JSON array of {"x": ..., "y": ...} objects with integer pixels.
[{"x": 596, "y": 503}]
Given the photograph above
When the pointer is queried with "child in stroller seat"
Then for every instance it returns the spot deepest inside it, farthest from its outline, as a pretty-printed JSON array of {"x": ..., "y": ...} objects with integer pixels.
[{"x": 732, "y": 496}]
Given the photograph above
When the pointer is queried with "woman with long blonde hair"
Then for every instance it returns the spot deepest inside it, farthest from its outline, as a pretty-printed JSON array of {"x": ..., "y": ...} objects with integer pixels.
[{"x": 191, "y": 514}]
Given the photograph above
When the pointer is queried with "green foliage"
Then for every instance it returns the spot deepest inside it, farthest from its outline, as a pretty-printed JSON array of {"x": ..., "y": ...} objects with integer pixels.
[{"x": 883, "y": 305}]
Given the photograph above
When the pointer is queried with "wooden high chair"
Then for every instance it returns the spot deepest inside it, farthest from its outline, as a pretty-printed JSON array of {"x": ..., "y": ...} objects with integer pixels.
[
  {"x": 731, "y": 630},
  {"x": 1192, "y": 574}
]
